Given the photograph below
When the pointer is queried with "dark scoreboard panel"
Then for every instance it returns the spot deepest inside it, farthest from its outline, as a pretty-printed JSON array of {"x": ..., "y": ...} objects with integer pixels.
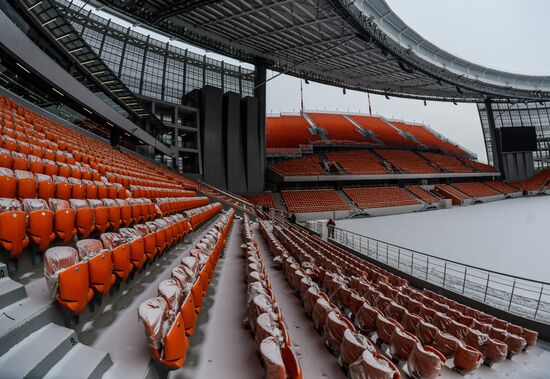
[{"x": 517, "y": 139}]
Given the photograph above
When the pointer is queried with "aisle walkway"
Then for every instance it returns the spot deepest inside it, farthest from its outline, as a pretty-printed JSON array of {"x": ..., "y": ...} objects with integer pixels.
[
  {"x": 315, "y": 359},
  {"x": 221, "y": 347}
]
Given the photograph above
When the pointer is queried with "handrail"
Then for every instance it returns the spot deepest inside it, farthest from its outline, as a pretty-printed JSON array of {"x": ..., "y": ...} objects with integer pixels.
[
  {"x": 436, "y": 257},
  {"x": 528, "y": 298}
]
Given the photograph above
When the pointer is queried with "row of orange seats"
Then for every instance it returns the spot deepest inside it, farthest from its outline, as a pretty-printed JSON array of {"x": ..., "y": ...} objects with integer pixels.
[
  {"x": 380, "y": 197},
  {"x": 446, "y": 162},
  {"x": 25, "y": 184},
  {"x": 446, "y": 189},
  {"x": 289, "y": 131},
  {"x": 502, "y": 187},
  {"x": 36, "y": 165},
  {"x": 388, "y": 135},
  {"x": 132, "y": 181},
  {"x": 170, "y": 205},
  {"x": 310, "y": 165},
  {"x": 23, "y": 131},
  {"x": 18, "y": 140},
  {"x": 265, "y": 318},
  {"x": 153, "y": 192},
  {"x": 481, "y": 167},
  {"x": 429, "y": 139},
  {"x": 322, "y": 200},
  {"x": 198, "y": 216},
  {"x": 38, "y": 137},
  {"x": 264, "y": 200},
  {"x": 476, "y": 189},
  {"x": 407, "y": 161},
  {"x": 475, "y": 336},
  {"x": 358, "y": 162},
  {"x": 356, "y": 353},
  {"x": 338, "y": 128},
  {"x": 170, "y": 318},
  {"x": 39, "y": 222},
  {"x": 423, "y": 194},
  {"x": 74, "y": 276}
]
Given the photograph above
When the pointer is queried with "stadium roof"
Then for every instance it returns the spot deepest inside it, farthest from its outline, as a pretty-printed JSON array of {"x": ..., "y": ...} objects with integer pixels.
[{"x": 356, "y": 44}]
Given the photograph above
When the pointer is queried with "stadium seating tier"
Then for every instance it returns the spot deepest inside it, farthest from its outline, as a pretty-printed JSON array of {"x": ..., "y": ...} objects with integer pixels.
[
  {"x": 380, "y": 197},
  {"x": 322, "y": 200}
]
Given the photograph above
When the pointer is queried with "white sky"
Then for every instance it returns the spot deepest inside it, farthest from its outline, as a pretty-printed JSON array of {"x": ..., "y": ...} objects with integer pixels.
[{"x": 503, "y": 34}]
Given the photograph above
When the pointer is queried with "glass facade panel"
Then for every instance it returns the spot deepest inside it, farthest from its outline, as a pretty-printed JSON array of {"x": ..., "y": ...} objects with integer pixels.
[
  {"x": 112, "y": 52},
  {"x": 152, "y": 75},
  {"x": 132, "y": 64},
  {"x": 140, "y": 60},
  {"x": 173, "y": 82},
  {"x": 193, "y": 78},
  {"x": 536, "y": 115}
]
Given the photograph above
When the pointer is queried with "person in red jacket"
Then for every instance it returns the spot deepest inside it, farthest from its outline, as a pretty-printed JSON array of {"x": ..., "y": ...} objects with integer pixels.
[{"x": 331, "y": 225}]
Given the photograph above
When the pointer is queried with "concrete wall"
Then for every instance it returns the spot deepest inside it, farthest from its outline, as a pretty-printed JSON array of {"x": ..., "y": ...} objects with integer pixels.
[
  {"x": 518, "y": 166},
  {"x": 212, "y": 144},
  {"x": 234, "y": 144},
  {"x": 255, "y": 168}
]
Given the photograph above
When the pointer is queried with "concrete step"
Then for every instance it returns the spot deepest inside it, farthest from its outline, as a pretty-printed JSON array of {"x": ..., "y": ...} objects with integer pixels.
[
  {"x": 26, "y": 316},
  {"x": 34, "y": 356},
  {"x": 346, "y": 199},
  {"x": 279, "y": 202},
  {"x": 10, "y": 290},
  {"x": 81, "y": 362}
]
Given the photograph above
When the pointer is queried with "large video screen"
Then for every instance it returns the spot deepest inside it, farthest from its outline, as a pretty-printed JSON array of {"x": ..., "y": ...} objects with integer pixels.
[{"x": 517, "y": 139}]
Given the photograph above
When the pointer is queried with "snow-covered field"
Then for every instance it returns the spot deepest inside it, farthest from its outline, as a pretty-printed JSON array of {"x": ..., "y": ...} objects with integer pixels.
[{"x": 509, "y": 236}]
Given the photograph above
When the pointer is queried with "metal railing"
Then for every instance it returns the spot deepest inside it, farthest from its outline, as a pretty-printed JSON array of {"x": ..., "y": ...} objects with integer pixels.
[{"x": 521, "y": 296}]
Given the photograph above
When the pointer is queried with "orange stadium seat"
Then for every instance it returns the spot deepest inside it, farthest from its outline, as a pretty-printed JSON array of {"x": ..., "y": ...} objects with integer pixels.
[
  {"x": 120, "y": 253},
  {"x": 100, "y": 265},
  {"x": 39, "y": 222},
  {"x": 6, "y": 160},
  {"x": 101, "y": 215},
  {"x": 8, "y": 183},
  {"x": 84, "y": 217},
  {"x": 78, "y": 189},
  {"x": 64, "y": 219},
  {"x": 67, "y": 278},
  {"x": 149, "y": 241},
  {"x": 125, "y": 211},
  {"x": 45, "y": 186},
  {"x": 13, "y": 227},
  {"x": 137, "y": 246},
  {"x": 63, "y": 188},
  {"x": 114, "y": 212},
  {"x": 26, "y": 184}
]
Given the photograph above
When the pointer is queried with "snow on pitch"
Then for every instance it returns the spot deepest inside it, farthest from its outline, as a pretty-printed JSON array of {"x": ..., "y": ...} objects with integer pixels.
[{"x": 509, "y": 236}]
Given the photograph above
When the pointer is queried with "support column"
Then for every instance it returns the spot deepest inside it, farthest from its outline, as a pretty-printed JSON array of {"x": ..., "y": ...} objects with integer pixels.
[
  {"x": 260, "y": 78},
  {"x": 495, "y": 141}
]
